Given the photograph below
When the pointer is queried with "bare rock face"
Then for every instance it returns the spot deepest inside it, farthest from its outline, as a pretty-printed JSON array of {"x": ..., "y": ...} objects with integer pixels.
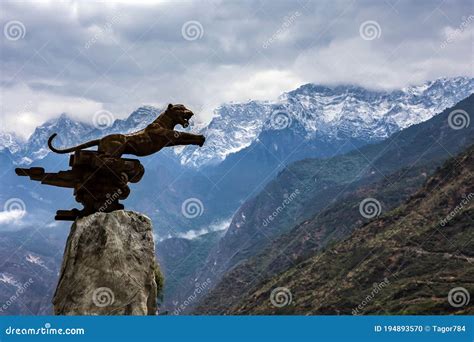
[{"x": 108, "y": 267}]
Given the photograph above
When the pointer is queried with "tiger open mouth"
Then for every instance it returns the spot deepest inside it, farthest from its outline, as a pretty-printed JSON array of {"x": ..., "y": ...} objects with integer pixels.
[{"x": 186, "y": 117}]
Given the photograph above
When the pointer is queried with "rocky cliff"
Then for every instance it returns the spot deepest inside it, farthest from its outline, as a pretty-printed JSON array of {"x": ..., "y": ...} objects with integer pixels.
[{"x": 109, "y": 267}]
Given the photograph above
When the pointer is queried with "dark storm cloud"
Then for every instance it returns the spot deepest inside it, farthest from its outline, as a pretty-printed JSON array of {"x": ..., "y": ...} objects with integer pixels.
[{"x": 80, "y": 57}]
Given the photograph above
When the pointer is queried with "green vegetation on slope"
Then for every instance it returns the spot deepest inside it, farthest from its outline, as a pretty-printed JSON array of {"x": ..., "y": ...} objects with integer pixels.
[
  {"x": 179, "y": 258},
  {"x": 409, "y": 250},
  {"x": 322, "y": 183},
  {"x": 389, "y": 171}
]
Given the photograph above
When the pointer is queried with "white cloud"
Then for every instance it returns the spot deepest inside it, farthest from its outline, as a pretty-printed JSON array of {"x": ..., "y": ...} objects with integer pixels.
[
  {"x": 218, "y": 226},
  {"x": 376, "y": 64},
  {"x": 24, "y": 109},
  {"x": 137, "y": 54},
  {"x": 11, "y": 216}
]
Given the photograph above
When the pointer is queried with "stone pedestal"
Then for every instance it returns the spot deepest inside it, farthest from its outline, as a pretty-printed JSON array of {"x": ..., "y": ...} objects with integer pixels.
[{"x": 109, "y": 267}]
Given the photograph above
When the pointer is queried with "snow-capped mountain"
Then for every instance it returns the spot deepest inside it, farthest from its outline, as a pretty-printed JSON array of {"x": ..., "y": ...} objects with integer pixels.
[
  {"x": 10, "y": 141},
  {"x": 139, "y": 119},
  {"x": 313, "y": 111},
  {"x": 327, "y": 112},
  {"x": 71, "y": 132},
  {"x": 234, "y": 127}
]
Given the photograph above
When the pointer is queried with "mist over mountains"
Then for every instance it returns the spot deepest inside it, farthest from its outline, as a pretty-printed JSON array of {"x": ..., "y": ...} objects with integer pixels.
[
  {"x": 247, "y": 145},
  {"x": 313, "y": 111},
  {"x": 327, "y": 210},
  {"x": 255, "y": 156}
]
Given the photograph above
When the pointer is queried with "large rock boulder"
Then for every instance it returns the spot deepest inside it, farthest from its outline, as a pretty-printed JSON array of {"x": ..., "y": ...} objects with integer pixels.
[{"x": 108, "y": 267}]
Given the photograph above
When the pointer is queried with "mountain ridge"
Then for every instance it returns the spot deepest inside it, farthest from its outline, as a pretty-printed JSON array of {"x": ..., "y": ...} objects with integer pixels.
[
  {"x": 325, "y": 111},
  {"x": 419, "y": 258},
  {"x": 428, "y": 142},
  {"x": 225, "y": 187}
]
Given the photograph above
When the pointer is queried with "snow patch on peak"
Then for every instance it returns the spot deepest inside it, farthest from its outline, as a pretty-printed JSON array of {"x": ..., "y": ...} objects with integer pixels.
[
  {"x": 9, "y": 280},
  {"x": 331, "y": 111},
  {"x": 233, "y": 128},
  {"x": 315, "y": 111},
  {"x": 10, "y": 141},
  {"x": 36, "y": 260}
]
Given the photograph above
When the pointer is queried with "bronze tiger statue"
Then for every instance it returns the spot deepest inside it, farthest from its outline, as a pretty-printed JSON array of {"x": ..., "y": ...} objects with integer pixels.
[{"x": 160, "y": 133}]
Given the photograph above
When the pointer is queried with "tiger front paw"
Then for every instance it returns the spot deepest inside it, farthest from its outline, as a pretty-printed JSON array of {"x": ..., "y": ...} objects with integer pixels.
[{"x": 201, "y": 141}]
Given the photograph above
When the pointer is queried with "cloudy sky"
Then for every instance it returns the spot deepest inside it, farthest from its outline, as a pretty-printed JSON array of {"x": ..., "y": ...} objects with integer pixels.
[{"x": 83, "y": 57}]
